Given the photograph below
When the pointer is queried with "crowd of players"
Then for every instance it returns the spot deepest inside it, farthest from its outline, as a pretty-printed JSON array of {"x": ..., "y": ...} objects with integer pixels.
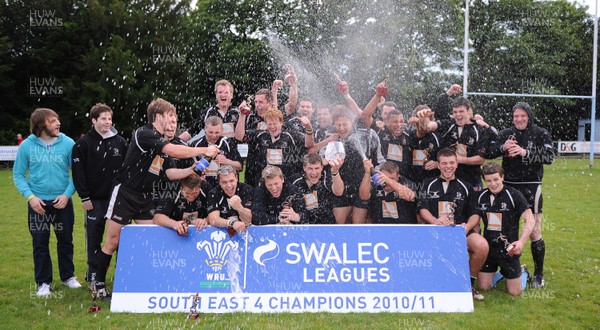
[{"x": 424, "y": 169}]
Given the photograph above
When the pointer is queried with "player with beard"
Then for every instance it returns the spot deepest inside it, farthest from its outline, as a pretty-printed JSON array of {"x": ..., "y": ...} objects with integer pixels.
[
  {"x": 319, "y": 186},
  {"x": 97, "y": 158},
  {"x": 230, "y": 203},
  {"x": 41, "y": 174},
  {"x": 324, "y": 133},
  {"x": 525, "y": 149},
  {"x": 324, "y": 124},
  {"x": 144, "y": 161},
  {"x": 448, "y": 200},
  {"x": 228, "y": 113}
]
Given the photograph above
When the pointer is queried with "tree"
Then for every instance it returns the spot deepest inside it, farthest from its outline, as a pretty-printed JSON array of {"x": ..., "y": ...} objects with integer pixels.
[
  {"x": 532, "y": 47},
  {"x": 225, "y": 42},
  {"x": 69, "y": 55},
  {"x": 409, "y": 42}
]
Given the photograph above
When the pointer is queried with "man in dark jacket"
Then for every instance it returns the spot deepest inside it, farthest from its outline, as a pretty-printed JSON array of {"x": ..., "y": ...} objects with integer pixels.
[
  {"x": 97, "y": 158},
  {"x": 525, "y": 148},
  {"x": 277, "y": 202}
]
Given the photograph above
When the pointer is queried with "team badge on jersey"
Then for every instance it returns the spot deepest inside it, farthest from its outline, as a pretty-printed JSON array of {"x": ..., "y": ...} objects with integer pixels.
[
  {"x": 311, "y": 201},
  {"x": 275, "y": 156},
  {"x": 228, "y": 130},
  {"x": 156, "y": 165},
  {"x": 494, "y": 221},
  {"x": 394, "y": 152},
  {"x": 389, "y": 209}
]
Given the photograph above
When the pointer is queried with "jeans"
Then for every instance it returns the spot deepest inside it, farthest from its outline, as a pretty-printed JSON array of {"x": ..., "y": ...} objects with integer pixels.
[{"x": 61, "y": 220}]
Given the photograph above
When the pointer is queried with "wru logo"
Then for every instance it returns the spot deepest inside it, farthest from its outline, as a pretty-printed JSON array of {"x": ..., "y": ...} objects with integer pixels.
[{"x": 217, "y": 250}]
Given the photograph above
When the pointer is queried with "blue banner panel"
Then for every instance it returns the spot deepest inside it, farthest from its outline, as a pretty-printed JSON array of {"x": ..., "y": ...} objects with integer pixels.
[
  {"x": 156, "y": 259},
  {"x": 358, "y": 259},
  {"x": 338, "y": 268}
]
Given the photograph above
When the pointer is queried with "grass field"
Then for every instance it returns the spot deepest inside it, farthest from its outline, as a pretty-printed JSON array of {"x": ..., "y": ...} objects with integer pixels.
[{"x": 571, "y": 299}]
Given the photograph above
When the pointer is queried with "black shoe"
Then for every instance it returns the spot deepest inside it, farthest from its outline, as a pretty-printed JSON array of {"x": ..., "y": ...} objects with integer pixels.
[
  {"x": 99, "y": 290},
  {"x": 103, "y": 295},
  {"x": 476, "y": 294},
  {"x": 538, "y": 282}
]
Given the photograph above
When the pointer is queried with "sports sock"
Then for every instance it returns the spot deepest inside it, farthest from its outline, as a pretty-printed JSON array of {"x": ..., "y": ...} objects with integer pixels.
[
  {"x": 538, "y": 251},
  {"x": 497, "y": 278},
  {"x": 524, "y": 280},
  {"x": 103, "y": 264}
]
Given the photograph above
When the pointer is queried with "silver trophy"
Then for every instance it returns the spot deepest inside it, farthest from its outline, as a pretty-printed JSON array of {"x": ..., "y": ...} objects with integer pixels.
[
  {"x": 335, "y": 151},
  {"x": 94, "y": 308},
  {"x": 193, "y": 314}
]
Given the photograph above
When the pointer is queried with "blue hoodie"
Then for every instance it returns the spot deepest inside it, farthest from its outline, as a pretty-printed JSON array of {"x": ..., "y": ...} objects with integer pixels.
[{"x": 48, "y": 166}]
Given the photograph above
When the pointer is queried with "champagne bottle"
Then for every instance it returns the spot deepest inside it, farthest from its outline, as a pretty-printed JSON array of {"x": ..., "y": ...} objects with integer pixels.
[
  {"x": 375, "y": 177},
  {"x": 202, "y": 165}
]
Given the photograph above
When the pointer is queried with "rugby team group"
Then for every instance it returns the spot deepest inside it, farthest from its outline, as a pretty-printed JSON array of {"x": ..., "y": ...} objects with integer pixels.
[{"x": 308, "y": 163}]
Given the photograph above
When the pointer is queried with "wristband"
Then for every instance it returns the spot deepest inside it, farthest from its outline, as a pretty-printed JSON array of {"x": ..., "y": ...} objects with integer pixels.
[
  {"x": 310, "y": 131},
  {"x": 30, "y": 197},
  {"x": 230, "y": 222},
  {"x": 347, "y": 96},
  {"x": 335, "y": 174}
]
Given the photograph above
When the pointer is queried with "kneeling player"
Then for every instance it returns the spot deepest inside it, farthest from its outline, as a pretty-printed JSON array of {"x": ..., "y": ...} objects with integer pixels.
[
  {"x": 447, "y": 200},
  {"x": 230, "y": 204},
  {"x": 179, "y": 209},
  {"x": 501, "y": 207}
]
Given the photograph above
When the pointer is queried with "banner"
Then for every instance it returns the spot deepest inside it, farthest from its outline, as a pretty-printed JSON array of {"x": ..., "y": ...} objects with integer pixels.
[
  {"x": 8, "y": 153},
  {"x": 338, "y": 268},
  {"x": 577, "y": 147}
]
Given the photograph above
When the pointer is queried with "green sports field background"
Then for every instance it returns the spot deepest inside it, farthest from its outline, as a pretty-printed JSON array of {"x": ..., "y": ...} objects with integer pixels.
[{"x": 571, "y": 299}]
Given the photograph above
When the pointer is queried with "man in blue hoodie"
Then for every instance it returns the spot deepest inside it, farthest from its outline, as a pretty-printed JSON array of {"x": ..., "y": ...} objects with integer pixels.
[{"x": 46, "y": 155}]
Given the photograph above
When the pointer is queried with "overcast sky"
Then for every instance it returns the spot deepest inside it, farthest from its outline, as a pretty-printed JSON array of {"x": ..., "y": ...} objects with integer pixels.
[{"x": 590, "y": 3}]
